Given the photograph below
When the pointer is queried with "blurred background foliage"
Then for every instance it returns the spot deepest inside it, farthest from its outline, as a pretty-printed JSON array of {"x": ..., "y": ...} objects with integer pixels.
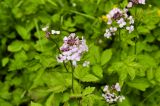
[{"x": 31, "y": 76}]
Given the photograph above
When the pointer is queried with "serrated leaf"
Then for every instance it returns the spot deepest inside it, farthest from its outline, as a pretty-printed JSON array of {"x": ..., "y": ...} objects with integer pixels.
[
  {"x": 55, "y": 81},
  {"x": 23, "y": 32},
  {"x": 94, "y": 54},
  {"x": 80, "y": 72},
  {"x": 97, "y": 70},
  {"x": 88, "y": 90},
  {"x": 83, "y": 74},
  {"x": 106, "y": 56},
  {"x": 140, "y": 84},
  {"x": 15, "y": 46},
  {"x": 5, "y": 61}
]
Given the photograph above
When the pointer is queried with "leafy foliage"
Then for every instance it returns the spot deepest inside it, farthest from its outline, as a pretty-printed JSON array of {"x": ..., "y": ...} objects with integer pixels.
[{"x": 31, "y": 76}]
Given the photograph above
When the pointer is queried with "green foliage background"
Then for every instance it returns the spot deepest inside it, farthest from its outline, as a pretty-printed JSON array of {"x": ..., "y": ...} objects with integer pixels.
[{"x": 31, "y": 76}]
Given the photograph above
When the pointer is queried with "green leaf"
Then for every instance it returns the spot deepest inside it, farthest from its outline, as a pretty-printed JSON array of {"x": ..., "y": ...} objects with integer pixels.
[
  {"x": 66, "y": 96},
  {"x": 5, "y": 61},
  {"x": 15, "y": 46},
  {"x": 97, "y": 70},
  {"x": 157, "y": 74},
  {"x": 140, "y": 84},
  {"x": 49, "y": 101},
  {"x": 94, "y": 54},
  {"x": 55, "y": 81},
  {"x": 131, "y": 72},
  {"x": 106, "y": 56},
  {"x": 88, "y": 90},
  {"x": 35, "y": 104},
  {"x": 150, "y": 74},
  {"x": 90, "y": 78},
  {"x": 83, "y": 74},
  {"x": 23, "y": 32},
  {"x": 125, "y": 102},
  {"x": 4, "y": 103}
]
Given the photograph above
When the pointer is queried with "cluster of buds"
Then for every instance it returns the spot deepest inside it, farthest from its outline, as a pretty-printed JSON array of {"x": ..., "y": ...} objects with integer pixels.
[
  {"x": 135, "y": 2},
  {"x": 111, "y": 93},
  {"x": 119, "y": 19},
  {"x": 48, "y": 33},
  {"x": 72, "y": 49}
]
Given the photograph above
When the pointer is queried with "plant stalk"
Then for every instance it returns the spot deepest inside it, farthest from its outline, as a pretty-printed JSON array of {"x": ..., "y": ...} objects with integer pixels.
[
  {"x": 60, "y": 52},
  {"x": 72, "y": 76}
]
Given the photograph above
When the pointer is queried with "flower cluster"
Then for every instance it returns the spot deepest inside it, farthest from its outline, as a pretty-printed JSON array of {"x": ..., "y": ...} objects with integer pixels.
[
  {"x": 72, "y": 49},
  {"x": 119, "y": 19},
  {"x": 135, "y": 2},
  {"x": 110, "y": 93}
]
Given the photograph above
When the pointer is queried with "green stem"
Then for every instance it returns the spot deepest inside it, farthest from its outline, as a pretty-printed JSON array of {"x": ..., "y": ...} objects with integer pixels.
[
  {"x": 60, "y": 53},
  {"x": 119, "y": 40},
  {"x": 72, "y": 76}
]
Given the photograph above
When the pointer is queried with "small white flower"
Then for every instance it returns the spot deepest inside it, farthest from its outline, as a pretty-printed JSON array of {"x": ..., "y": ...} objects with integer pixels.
[
  {"x": 113, "y": 29},
  {"x": 106, "y": 88},
  {"x": 121, "y": 23},
  {"x": 45, "y": 28},
  {"x": 141, "y": 1},
  {"x": 107, "y": 35},
  {"x": 130, "y": 4},
  {"x": 109, "y": 22},
  {"x": 74, "y": 63},
  {"x": 55, "y": 32},
  {"x": 131, "y": 20},
  {"x": 86, "y": 64},
  {"x": 130, "y": 29},
  {"x": 117, "y": 87}
]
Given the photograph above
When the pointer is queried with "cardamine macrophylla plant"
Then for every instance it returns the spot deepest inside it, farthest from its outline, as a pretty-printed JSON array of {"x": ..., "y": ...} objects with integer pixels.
[
  {"x": 71, "y": 51},
  {"x": 111, "y": 94}
]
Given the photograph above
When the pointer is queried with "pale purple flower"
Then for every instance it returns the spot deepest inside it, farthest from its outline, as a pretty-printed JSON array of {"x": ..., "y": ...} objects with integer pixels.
[
  {"x": 106, "y": 88},
  {"x": 113, "y": 29},
  {"x": 121, "y": 18},
  {"x": 130, "y": 4},
  {"x": 117, "y": 87},
  {"x": 130, "y": 28},
  {"x": 131, "y": 20},
  {"x": 111, "y": 93},
  {"x": 72, "y": 49},
  {"x": 121, "y": 22},
  {"x": 135, "y": 2}
]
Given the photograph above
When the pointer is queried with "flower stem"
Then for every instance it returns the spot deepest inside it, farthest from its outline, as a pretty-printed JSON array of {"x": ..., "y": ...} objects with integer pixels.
[
  {"x": 72, "y": 76},
  {"x": 57, "y": 46}
]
